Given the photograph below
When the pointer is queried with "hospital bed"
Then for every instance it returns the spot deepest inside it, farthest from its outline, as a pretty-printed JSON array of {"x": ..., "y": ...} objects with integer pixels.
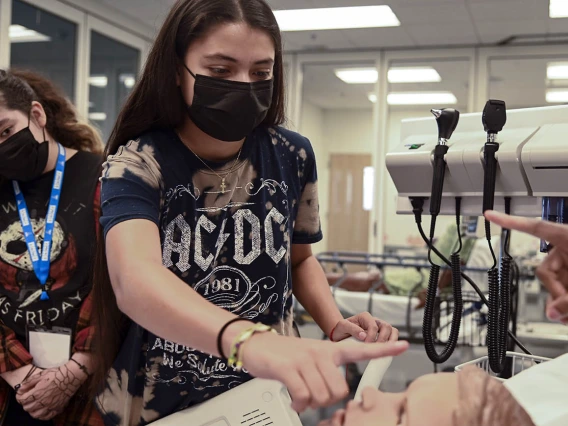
[{"x": 399, "y": 311}]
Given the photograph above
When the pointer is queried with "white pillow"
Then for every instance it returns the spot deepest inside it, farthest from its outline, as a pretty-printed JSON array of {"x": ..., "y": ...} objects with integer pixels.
[{"x": 542, "y": 390}]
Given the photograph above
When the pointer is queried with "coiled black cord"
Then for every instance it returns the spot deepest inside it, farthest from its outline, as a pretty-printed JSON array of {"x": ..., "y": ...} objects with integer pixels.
[
  {"x": 417, "y": 209},
  {"x": 493, "y": 324},
  {"x": 428, "y": 321},
  {"x": 499, "y": 302}
]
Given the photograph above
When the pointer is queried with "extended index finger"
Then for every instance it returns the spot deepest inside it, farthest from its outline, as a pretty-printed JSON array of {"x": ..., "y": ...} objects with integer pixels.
[
  {"x": 554, "y": 233},
  {"x": 348, "y": 351}
]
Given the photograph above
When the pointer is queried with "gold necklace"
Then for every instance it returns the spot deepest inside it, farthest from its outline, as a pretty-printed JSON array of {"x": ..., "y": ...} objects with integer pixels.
[{"x": 231, "y": 170}]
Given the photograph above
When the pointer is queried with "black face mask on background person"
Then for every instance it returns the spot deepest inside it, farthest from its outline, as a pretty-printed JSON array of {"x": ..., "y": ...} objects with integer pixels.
[
  {"x": 22, "y": 157},
  {"x": 229, "y": 110}
]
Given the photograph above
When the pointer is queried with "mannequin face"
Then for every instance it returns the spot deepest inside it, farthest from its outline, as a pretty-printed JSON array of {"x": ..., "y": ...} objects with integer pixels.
[
  {"x": 429, "y": 401},
  {"x": 12, "y": 121}
]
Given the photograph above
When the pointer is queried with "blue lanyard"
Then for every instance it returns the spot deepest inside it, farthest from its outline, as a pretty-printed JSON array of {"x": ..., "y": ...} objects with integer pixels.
[{"x": 41, "y": 264}]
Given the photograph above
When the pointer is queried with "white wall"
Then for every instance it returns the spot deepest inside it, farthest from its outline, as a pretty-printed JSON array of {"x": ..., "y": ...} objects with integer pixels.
[
  {"x": 334, "y": 132},
  {"x": 312, "y": 127}
]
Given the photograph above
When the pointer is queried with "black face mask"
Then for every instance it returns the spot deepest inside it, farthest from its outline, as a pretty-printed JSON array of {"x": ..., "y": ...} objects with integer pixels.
[
  {"x": 229, "y": 110},
  {"x": 22, "y": 158}
]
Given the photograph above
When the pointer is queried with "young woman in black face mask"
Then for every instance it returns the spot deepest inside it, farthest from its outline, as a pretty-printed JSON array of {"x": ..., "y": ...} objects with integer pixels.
[
  {"x": 209, "y": 209},
  {"x": 49, "y": 163}
]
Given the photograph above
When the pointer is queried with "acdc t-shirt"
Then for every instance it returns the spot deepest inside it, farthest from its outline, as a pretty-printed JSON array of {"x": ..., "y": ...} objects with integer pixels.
[{"x": 229, "y": 240}]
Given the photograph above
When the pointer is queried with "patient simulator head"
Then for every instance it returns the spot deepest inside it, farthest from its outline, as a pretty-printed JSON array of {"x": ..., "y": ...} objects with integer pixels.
[{"x": 468, "y": 398}]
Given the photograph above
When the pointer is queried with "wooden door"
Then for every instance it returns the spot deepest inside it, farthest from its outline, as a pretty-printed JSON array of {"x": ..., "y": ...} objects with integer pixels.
[{"x": 348, "y": 221}]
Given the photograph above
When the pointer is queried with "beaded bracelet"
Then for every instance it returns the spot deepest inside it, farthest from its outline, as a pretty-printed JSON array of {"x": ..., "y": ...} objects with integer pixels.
[{"x": 236, "y": 358}]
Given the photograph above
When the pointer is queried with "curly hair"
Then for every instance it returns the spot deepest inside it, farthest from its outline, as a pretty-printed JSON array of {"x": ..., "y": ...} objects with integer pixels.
[
  {"x": 484, "y": 401},
  {"x": 19, "y": 88}
]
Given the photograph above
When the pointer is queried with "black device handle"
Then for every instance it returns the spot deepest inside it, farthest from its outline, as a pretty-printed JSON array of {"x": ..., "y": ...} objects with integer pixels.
[
  {"x": 438, "y": 178},
  {"x": 490, "y": 175}
]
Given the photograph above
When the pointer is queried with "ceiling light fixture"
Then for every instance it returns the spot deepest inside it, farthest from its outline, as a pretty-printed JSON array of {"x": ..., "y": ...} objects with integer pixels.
[
  {"x": 558, "y": 9},
  {"x": 557, "y": 70},
  {"x": 98, "y": 80},
  {"x": 413, "y": 75},
  {"x": 336, "y": 18},
  {"x": 21, "y": 34},
  {"x": 97, "y": 116},
  {"x": 557, "y": 96},
  {"x": 422, "y": 98},
  {"x": 395, "y": 75},
  {"x": 358, "y": 75}
]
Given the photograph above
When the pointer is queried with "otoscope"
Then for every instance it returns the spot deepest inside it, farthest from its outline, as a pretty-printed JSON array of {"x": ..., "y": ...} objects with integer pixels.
[
  {"x": 494, "y": 118},
  {"x": 447, "y": 120}
]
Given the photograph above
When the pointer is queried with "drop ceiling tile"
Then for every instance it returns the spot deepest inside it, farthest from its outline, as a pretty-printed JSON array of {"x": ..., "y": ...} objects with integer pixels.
[
  {"x": 430, "y": 3},
  {"x": 492, "y": 32},
  {"x": 318, "y": 40},
  {"x": 424, "y": 14},
  {"x": 558, "y": 25},
  {"x": 346, "y": 3},
  {"x": 449, "y": 34},
  {"x": 377, "y": 38},
  {"x": 511, "y": 10},
  {"x": 290, "y": 4}
]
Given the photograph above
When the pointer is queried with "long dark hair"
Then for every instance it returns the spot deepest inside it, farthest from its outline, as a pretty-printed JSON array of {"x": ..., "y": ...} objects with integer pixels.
[
  {"x": 19, "y": 88},
  {"x": 156, "y": 103}
]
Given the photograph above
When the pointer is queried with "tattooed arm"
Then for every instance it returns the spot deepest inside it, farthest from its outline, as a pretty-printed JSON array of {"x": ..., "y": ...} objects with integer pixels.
[{"x": 46, "y": 394}]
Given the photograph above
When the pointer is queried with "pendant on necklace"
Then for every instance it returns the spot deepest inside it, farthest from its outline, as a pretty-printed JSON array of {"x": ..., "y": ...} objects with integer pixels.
[{"x": 223, "y": 186}]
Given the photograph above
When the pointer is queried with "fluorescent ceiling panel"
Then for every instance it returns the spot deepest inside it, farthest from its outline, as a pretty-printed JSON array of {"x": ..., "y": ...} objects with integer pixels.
[
  {"x": 97, "y": 116},
  {"x": 414, "y": 75},
  {"x": 557, "y": 70},
  {"x": 422, "y": 98},
  {"x": 336, "y": 18},
  {"x": 358, "y": 75},
  {"x": 21, "y": 34},
  {"x": 129, "y": 80},
  {"x": 98, "y": 80},
  {"x": 558, "y": 9},
  {"x": 557, "y": 96},
  {"x": 395, "y": 75}
]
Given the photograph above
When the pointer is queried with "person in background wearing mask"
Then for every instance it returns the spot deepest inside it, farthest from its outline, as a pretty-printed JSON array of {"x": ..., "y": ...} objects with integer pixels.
[
  {"x": 49, "y": 163},
  {"x": 209, "y": 209}
]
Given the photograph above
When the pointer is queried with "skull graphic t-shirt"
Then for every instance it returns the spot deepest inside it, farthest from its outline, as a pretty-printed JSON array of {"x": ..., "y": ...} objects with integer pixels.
[
  {"x": 72, "y": 250},
  {"x": 227, "y": 231}
]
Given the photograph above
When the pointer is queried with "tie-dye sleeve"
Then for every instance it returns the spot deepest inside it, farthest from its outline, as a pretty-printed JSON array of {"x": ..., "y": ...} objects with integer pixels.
[
  {"x": 131, "y": 185},
  {"x": 307, "y": 227}
]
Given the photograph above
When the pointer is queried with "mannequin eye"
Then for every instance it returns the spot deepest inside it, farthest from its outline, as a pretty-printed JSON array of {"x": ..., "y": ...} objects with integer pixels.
[{"x": 402, "y": 413}]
